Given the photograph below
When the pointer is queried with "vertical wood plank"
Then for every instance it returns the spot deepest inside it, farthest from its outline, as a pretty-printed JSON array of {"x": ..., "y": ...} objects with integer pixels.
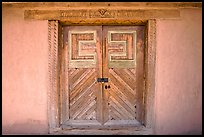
[
  {"x": 99, "y": 93},
  {"x": 61, "y": 72},
  {"x": 150, "y": 73},
  {"x": 64, "y": 101},
  {"x": 140, "y": 74},
  {"x": 53, "y": 117},
  {"x": 105, "y": 93}
]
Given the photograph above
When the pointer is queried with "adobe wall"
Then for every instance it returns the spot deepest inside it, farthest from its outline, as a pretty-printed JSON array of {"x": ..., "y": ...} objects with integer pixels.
[
  {"x": 179, "y": 74},
  {"x": 24, "y": 69}
]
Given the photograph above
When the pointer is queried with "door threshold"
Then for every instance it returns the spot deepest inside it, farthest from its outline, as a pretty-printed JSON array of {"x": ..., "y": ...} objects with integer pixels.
[
  {"x": 124, "y": 131},
  {"x": 94, "y": 124}
]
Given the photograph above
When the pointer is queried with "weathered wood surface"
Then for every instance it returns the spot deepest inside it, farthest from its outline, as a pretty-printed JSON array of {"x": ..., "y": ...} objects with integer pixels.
[
  {"x": 70, "y": 11},
  {"x": 89, "y": 100},
  {"x": 94, "y": 124},
  {"x": 53, "y": 109},
  {"x": 84, "y": 67},
  {"x": 119, "y": 5},
  {"x": 82, "y": 94},
  {"x": 124, "y": 44},
  {"x": 149, "y": 63},
  {"x": 121, "y": 131},
  {"x": 91, "y": 106},
  {"x": 102, "y": 13}
]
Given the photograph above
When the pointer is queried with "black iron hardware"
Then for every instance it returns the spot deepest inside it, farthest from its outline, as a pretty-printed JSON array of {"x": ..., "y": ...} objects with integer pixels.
[
  {"x": 106, "y": 87},
  {"x": 103, "y": 80}
]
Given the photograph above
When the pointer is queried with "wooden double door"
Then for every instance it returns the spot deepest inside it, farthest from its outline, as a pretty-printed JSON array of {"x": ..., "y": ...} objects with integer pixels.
[{"x": 104, "y": 76}]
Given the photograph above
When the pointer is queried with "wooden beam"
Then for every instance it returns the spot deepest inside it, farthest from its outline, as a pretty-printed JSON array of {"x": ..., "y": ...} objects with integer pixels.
[
  {"x": 88, "y": 5},
  {"x": 101, "y": 13}
]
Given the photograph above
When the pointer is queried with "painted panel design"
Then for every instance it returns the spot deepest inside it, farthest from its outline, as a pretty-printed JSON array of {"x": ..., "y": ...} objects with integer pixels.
[
  {"x": 121, "y": 49},
  {"x": 82, "y": 49}
]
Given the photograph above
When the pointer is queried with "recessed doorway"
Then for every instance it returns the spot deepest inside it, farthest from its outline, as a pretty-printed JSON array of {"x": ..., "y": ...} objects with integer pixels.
[{"x": 105, "y": 76}]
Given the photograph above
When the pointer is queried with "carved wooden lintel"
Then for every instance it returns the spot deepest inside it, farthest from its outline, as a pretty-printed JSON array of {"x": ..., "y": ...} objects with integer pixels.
[
  {"x": 91, "y": 5},
  {"x": 100, "y": 14}
]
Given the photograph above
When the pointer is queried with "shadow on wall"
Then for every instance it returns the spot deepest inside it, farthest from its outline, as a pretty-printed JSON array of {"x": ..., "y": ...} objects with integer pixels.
[
  {"x": 29, "y": 127},
  {"x": 195, "y": 132}
]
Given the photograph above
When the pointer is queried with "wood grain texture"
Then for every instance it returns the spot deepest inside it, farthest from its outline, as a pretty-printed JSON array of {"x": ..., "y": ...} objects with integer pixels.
[
  {"x": 122, "y": 96},
  {"x": 150, "y": 75},
  {"x": 82, "y": 49},
  {"x": 101, "y": 13},
  {"x": 82, "y": 94},
  {"x": 125, "y": 131},
  {"x": 94, "y": 5},
  {"x": 89, "y": 101},
  {"x": 53, "y": 120},
  {"x": 122, "y": 49},
  {"x": 125, "y": 95}
]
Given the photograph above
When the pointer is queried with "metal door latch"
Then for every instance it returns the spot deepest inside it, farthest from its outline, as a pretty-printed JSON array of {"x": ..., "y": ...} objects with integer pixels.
[{"x": 103, "y": 80}]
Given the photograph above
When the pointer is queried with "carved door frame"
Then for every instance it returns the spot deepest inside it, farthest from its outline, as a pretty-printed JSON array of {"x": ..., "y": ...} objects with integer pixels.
[{"x": 54, "y": 37}]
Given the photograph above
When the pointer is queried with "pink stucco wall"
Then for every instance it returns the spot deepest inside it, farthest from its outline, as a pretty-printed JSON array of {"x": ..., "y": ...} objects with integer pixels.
[
  {"x": 178, "y": 97},
  {"x": 24, "y": 69},
  {"x": 179, "y": 74}
]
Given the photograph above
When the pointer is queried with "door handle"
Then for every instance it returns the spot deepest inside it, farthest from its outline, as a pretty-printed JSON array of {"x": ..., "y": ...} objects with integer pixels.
[{"x": 107, "y": 86}]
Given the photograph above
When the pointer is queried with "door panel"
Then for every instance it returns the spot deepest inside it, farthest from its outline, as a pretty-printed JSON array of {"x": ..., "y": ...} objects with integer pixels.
[
  {"x": 123, "y": 65},
  {"x": 82, "y": 48},
  {"x": 121, "y": 49},
  {"x": 116, "y": 53},
  {"x": 84, "y": 59},
  {"x": 82, "y": 94}
]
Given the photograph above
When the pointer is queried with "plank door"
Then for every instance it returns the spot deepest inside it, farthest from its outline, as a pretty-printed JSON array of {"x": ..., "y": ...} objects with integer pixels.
[
  {"x": 123, "y": 65},
  {"x": 113, "y": 52},
  {"x": 84, "y": 67}
]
